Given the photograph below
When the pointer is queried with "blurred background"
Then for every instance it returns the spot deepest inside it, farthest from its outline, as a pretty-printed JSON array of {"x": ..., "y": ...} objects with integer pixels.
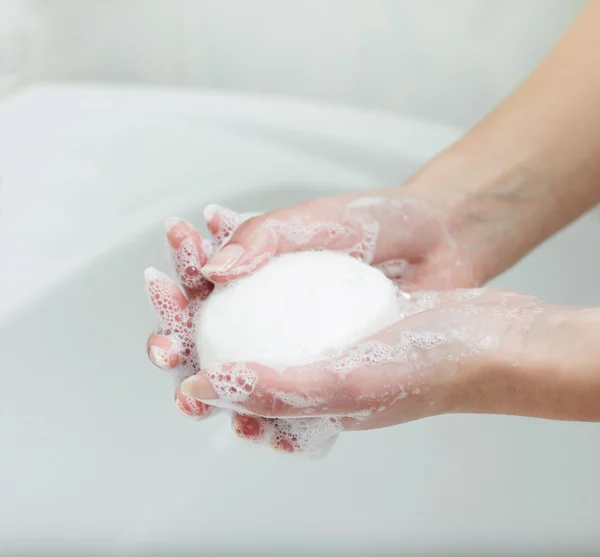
[
  {"x": 95, "y": 458},
  {"x": 384, "y": 54}
]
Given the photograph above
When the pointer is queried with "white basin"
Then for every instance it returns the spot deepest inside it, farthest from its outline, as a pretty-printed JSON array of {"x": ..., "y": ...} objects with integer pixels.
[{"x": 94, "y": 456}]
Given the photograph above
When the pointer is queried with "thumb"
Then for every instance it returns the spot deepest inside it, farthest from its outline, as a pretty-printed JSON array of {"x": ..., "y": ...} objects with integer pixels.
[
  {"x": 261, "y": 390},
  {"x": 318, "y": 224},
  {"x": 353, "y": 383}
]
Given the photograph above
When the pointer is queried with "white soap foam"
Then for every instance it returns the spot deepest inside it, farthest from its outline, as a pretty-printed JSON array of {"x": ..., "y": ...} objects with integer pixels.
[{"x": 298, "y": 309}]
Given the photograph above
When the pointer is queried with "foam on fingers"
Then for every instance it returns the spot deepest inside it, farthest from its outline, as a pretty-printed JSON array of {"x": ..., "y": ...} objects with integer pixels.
[
  {"x": 163, "y": 352},
  {"x": 191, "y": 407},
  {"x": 223, "y": 223},
  {"x": 313, "y": 437},
  {"x": 165, "y": 297},
  {"x": 189, "y": 256},
  {"x": 249, "y": 428}
]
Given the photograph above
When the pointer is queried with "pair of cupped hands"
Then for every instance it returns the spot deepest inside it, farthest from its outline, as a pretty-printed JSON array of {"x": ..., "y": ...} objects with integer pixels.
[{"x": 435, "y": 359}]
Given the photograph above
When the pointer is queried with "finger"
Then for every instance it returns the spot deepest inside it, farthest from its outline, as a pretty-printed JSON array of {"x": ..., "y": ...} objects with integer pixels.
[
  {"x": 311, "y": 436},
  {"x": 189, "y": 257},
  {"x": 295, "y": 392},
  {"x": 162, "y": 352},
  {"x": 191, "y": 407},
  {"x": 166, "y": 299},
  {"x": 221, "y": 223},
  {"x": 249, "y": 428},
  {"x": 373, "y": 375},
  {"x": 300, "y": 434}
]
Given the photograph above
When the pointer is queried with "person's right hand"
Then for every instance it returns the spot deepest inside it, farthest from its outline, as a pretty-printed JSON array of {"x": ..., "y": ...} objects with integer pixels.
[
  {"x": 421, "y": 237},
  {"x": 460, "y": 351}
]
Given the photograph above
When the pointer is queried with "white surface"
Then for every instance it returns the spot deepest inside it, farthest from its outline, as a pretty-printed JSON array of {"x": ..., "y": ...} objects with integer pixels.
[
  {"x": 84, "y": 162},
  {"x": 20, "y": 41},
  {"x": 94, "y": 455},
  {"x": 395, "y": 55}
]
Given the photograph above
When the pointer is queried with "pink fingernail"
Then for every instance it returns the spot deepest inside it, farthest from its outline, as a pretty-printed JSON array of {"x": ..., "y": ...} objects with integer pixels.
[
  {"x": 165, "y": 357},
  {"x": 198, "y": 387},
  {"x": 191, "y": 407},
  {"x": 210, "y": 211},
  {"x": 223, "y": 260},
  {"x": 152, "y": 274},
  {"x": 160, "y": 357},
  {"x": 171, "y": 222}
]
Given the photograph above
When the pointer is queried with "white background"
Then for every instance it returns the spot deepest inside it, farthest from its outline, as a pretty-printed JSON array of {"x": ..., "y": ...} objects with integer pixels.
[{"x": 443, "y": 60}]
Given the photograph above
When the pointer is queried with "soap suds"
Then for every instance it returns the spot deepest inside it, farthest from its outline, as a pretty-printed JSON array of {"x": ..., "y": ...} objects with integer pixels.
[
  {"x": 188, "y": 265},
  {"x": 297, "y": 309},
  {"x": 234, "y": 385},
  {"x": 223, "y": 223}
]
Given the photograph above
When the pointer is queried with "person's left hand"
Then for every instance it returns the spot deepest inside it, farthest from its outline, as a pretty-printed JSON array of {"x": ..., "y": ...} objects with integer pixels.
[{"x": 447, "y": 354}]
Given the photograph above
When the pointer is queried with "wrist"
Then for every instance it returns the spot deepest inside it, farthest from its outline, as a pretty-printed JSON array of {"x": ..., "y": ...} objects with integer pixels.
[
  {"x": 553, "y": 372},
  {"x": 498, "y": 208},
  {"x": 562, "y": 361}
]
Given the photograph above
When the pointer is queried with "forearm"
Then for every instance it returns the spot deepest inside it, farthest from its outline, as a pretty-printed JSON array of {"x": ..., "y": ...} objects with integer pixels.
[
  {"x": 533, "y": 165},
  {"x": 555, "y": 373}
]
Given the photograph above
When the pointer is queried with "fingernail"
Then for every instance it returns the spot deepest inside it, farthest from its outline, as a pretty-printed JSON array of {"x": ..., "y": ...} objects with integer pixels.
[
  {"x": 210, "y": 211},
  {"x": 171, "y": 222},
  {"x": 191, "y": 407},
  {"x": 178, "y": 230},
  {"x": 161, "y": 357},
  {"x": 198, "y": 387},
  {"x": 152, "y": 274},
  {"x": 223, "y": 260}
]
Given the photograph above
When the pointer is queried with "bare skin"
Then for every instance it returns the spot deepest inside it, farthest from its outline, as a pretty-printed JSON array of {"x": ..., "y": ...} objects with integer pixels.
[{"x": 526, "y": 171}]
